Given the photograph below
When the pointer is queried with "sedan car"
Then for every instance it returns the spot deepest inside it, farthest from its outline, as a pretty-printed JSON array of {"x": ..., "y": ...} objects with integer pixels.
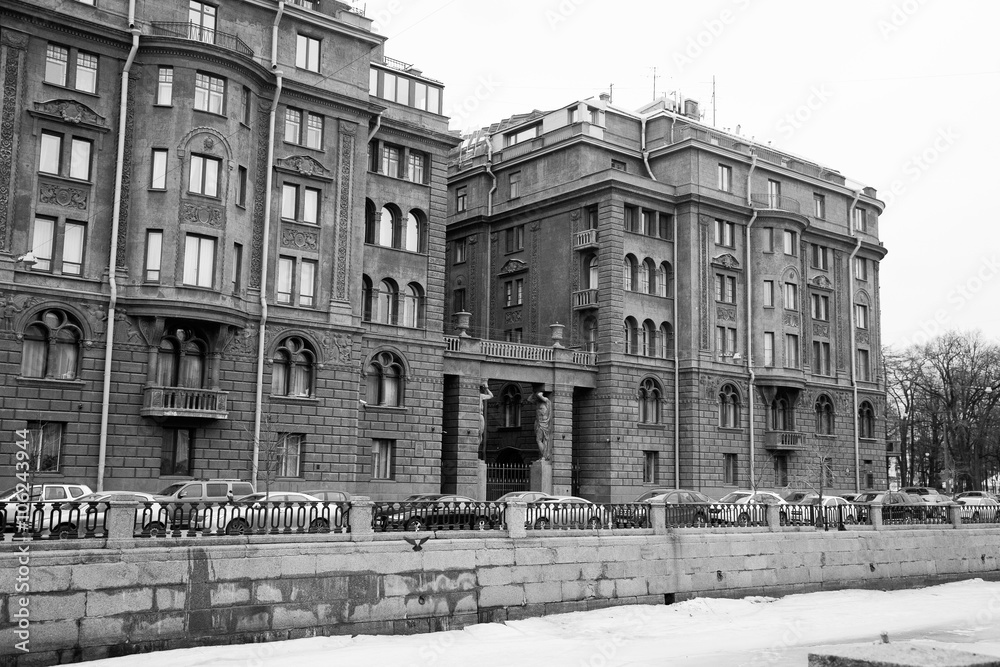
[
  {"x": 746, "y": 516},
  {"x": 86, "y": 514},
  {"x": 523, "y": 496},
  {"x": 273, "y": 512},
  {"x": 566, "y": 512},
  {"x": 836, "y": 510},
  {"x": 895, "y": 506},
  {"x": 689, "y": 508},
  {"x": 438, "y": 511},
  {"x": 979, "y": 509},
  {"x": 336, "y": 496}
]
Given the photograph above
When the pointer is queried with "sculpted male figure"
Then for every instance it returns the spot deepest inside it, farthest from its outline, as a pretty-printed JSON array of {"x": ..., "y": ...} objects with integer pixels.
[{"x": 543, "y": 414}]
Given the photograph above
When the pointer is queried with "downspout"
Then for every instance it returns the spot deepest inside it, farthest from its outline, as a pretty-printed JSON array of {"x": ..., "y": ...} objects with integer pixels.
[
  {"x": 749, "y": 291},
  {"x": 259, "y": 400},
  {"x": 677, "y": 379},
  {"x": 102, "y": 453},
  {"x": 854, "y": 340},
  {"x": 489, "y": 251},
  {"x": 489, "y": 170}
]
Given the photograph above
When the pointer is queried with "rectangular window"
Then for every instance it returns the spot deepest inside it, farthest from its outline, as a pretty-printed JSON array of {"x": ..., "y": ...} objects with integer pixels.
[
  {"x": 513, "y": 292},
  {"x": 725, "y": 340},
  {"x": 821, "y": 358},
  {"x": 725, "y": 233},
  {"x": 420, "y": 95},
  {"x": 820, "y": 307},
  {"x": 791, "y": 296},
  {"x": 56, "y": 64},
  {"x": 44, "y": 445},
  {"x": 74, "y": 242},
  {"x": 86, "y": 72},
  {"x": 390, "y": 161},
  {"x": 201, "y": 19},
  {"x": 247, "y": 105},
  {"x": 154, "y": 247},
  {"x": 631, "y": 219},
  {"x": 43, "y": 243},
  {"x": 861, "y": 268},
  {"x": 790, "y": 243},
  {"x": 515, "y": 185},
  {"x": 515, "y": 238},
  {"x": 769, "y": 348},
  {"x": 460, "y": 199},
  {"x": 290, "y": 455},
  {"x": 175, "y": 455},
  {"x": 769, "y": 294},
  {"x": 283, "y": 288},
  {"x": 730, "y": 469},
  {"x": 860, "y": 219},
  {"x": 402, "y": 90},
  {"x": 819, "y": 206},
  {"x": 618, "y": 165},
  {"x": 241, "y": 187},
  {"x": 514, "y": 335},
  {"x": 310, "y": 206},
  {"x": 289, "y": 201},
  {"x": 314, "y": 131},
  {"x": 458, "y": 301},
  {"x": 781, "y": 470},
  {"x": 773, "y": 194},
  {"x": 725, "y": 288},
  {"x": 519, "y": 136},
  {"x": 204, "y": 176},
  {"x": 307, "y": 53},
  {"x": 209, "y": 93},
  {"x": 666, "y": 226},
  {"x": 791, "y": 351},
  {"x": 725, "y": 178},
  {"x": 50, "y": 153},
  {"x": 293, "y": 125},
  {"x": 828, "y": 476},
  {"x": 415, "y": 167},
  {"x": 165, "y": 86},
  {"x": 237, "y": 267},
  {"x": 79, "y": 159},
  {"x": 199, "y": 260},
  {"x": 158, "y": 177},
  {"x": 307, "y": 284},
  {"x": 383, "y": 455},
  {"x": 819, "y": 257},
  {"x": 460, "y": 246},
  {"x": 649, "y": 466},
  {"x": 861, "y": 316}
]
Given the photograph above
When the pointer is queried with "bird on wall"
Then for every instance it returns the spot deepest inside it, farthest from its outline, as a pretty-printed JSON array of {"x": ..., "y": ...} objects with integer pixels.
[{"x": 417, "y": 544}]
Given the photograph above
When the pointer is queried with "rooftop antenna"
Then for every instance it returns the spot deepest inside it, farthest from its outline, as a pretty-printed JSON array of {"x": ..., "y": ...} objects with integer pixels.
[
  {"x": 611, "y": 92},
  {"x": 655, "y": 77},
  {"x": 713, "y": 100}
]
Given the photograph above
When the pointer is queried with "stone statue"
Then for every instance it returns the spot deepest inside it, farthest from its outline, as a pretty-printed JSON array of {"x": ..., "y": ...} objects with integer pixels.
[
  {"x": 543, "y": 413},
  {"x": 484, "y": 395}
]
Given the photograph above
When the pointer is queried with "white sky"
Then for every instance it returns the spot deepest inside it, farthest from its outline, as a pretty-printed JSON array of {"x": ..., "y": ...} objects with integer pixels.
[
  {"x": 900, "y": 92},
  {"x": 758, "y": 632}
]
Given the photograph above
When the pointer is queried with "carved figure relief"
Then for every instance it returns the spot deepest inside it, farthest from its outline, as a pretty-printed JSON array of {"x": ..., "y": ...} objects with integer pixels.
[
  {"x": 294, "y": 238},
  {"x": 201, "y": 214},
  {"x": 61, "y": 195}
]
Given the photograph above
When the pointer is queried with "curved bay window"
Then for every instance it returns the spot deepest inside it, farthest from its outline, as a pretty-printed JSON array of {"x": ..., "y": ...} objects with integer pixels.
[
  {"x": 649, "y": 401},
  {"x": 181, "y": 360},
  {"x": 51, "y": 346},
  {"x": 510, "y": 398},
  {"x": 866, "y": 420},
  {"x": 292, "y": 374},
  {"x": 824, "y": 415},
  {"x": 729, "y": 407},
  {"x": 384, "y": 380}
]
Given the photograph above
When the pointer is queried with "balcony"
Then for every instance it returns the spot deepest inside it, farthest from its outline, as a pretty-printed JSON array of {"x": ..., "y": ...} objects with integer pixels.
[
  {"x": 776, "y": 203},
  {"x": 184, "y": 403},
  {"x": 196, "y": 33},
  {"x": 585, "y": 299},
  {"x": 782, "y": 440},
  {"x": 585, "y": 239}
]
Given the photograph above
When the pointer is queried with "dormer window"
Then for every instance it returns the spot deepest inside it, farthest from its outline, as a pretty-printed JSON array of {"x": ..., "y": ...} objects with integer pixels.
[{"x": 522, "y": 135}]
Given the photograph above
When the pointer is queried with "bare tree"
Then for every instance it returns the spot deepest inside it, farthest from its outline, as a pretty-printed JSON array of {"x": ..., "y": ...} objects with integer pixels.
[{"x": 271, "y": 448}]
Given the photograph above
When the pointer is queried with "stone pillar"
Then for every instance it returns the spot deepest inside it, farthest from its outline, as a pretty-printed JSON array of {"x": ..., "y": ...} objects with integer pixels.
[
  {"x": 541, "y": 476},
  {"x": 875, "y": 516},
  {"x": 561, "y": 438},
  {"x": 515, "y": 516},
  {"x": 482, "y": 481},
  {"x": 658, "y": 517},
  {"x": 361, "y": 519},
  {"x": 120, "y": 522},
  {"x": 774, "y": 517},
  {"x": 955, "y": 515},
  {"x": 462, "y": 464}
]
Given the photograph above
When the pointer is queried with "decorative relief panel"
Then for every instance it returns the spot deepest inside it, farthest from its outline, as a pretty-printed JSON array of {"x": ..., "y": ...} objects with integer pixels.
[
  {"x": 725, "y": 313},
  {"x": 70, "y": 111},
  {"x": 305, "y": 165},
  {"x": 863, "y": 338},
  {"x": 512, "y": 316},
  {"x": 820, "y": 329},
  {"x": 513, "y": 266},
  {"x": 790, "y": 320},
  {"x": 296, "y": 238},
  {"x": 822, "y": 281},
  {"x": 16, "y": 43},
  {"x": 202, "y": 214},
  {"x": 62, "y": 195},
  {"x": 345, "y": 190},
  {"x": 726, "y": 261}
]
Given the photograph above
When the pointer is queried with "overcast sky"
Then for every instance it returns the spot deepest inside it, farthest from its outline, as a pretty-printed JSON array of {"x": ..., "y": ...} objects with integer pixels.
[{"x": 899, "y": 95}]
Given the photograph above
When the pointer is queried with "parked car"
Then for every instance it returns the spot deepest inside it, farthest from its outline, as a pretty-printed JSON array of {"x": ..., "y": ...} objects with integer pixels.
[
  {"x": 939, "y": 504},
  {"x": 689, "y": 508},
  {"x": 45, "y": 493},
  {"x": 180, "y": 497},
  {"x": 322, "y": 494},
  {"x": 440, "y": 511},
  {"x": 523, "y": 496},
  {"x": 918, "y": 490},
  {"x": 979, "y": 509},
  {"x": 74, "y": 518},
  {"x": 567, "y": 512},
  {"x": 643, "y": 497},
  {"x": 850, "y": 497},
  {"x": 975, "y": 494},
  {"x": 277, "y": 511},
  {"x": 836, "y": 510},
  {"x": 746, "y": 517},
  {"x": 895, "y": 506},
  {"x": 796, "y": 496}
]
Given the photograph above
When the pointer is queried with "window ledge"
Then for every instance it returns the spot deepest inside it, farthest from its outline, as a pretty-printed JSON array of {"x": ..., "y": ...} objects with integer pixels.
[
  {"x": 297, "y": 146},
  {"x": 384, "y": 408},
  {"x": 730, "y": 429},
  {"x": 654, "y": 427},
  {"x": 294, "y": 399},
  {"x": 210, "y": 113},
  {"x": 72, "y": 90},
  {"x": 49, "y": 382}
]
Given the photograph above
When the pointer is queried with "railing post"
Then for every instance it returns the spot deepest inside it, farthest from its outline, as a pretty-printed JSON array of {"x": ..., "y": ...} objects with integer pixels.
[
  {"x": 955, "y": 514},
  {"x": 360, "y": 515},
  {"x": 773, "y": 517},
  {"x": 515, "y": 516},
  {"x": 120, "y": 523},
  {"x": 658, "y": 517},
  {"x": 875, "y": 516}
]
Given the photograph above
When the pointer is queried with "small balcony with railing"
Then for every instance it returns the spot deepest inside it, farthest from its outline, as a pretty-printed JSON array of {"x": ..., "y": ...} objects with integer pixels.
[
  {"x": 585, "y": 240},
  {"x": 184, "y": 403},
  {"x": 783, "y": 440},
  {"x": 776, "y": 203},
  {"x": 197, "y": 33},
  {"x": 585, "y": 299}
]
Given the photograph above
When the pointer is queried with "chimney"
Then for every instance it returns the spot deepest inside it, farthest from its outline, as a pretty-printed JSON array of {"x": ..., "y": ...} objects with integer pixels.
[
  {"x": 605, "y": 97},
  {"x": 691, "y": 109}
]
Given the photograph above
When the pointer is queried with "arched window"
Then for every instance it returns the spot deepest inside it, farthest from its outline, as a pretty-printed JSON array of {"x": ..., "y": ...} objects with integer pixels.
[
  {"x": 510, "y": 398},
  {"x": 415, "y": 231},
  {"x": 824, "y": 415},
  {"x": 413, "y": 306},
  {"x": 388, "y": 225},
  {"x": 384, "y": 380},
  {"x": 649, "y": 401},
  {"x": 388, "y": 298},
  {"x": 780, "y": 414},
  {"x": 371, "y": 222},
  {"x": 729, "y": 407},
  {"x": 866, "y": 420},
  {"x": 292, "y": 372},
  {"x": 181, "y": 360},
  {"x": 590, "y": 271},
  {"x": 51, "y": 346},
  {"x": 630, "y": 273},
  {"x": 665, "y": 280},
  {"x": 648, "y": 339},
  {"x": 631, "y": 336},
  {"x": 590, "y": 333},
  {"x": 367, "y": 298},
  {"x": 649, "y": 268},
  {"x": 665, "y": 341}
]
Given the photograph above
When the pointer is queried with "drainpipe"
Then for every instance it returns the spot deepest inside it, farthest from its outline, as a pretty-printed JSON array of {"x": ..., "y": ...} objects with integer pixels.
[
  {"x": 113, "y": 256},
  {"x": 677, "y": 379},
  {"x": 749, "y": 290},
  {"x": 489, "y": 251},
  {"x": 489, "y": 170},
  {"x": 645, "y": 156},
  {"x": 854, "y": 340},
  {"x": 259, "y": 400}
]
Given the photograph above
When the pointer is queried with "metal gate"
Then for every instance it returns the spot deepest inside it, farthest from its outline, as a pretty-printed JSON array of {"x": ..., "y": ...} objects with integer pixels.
[{"x": 503, "y": 478}]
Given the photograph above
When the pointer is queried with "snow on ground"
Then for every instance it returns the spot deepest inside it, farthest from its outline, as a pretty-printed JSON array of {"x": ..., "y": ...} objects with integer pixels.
[{"x": 704, "y": 632}]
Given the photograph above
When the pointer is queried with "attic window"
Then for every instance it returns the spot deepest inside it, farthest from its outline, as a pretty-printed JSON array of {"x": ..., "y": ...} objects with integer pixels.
[
  {"x": 525, "y": 134},
  {"x": 619, "y": 165}
]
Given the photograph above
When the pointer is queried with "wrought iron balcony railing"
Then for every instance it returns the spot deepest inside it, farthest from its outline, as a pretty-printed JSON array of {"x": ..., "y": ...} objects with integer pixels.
[
  {"x": 776, "y": 202},
  {"x": 198, "y": 33}
]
